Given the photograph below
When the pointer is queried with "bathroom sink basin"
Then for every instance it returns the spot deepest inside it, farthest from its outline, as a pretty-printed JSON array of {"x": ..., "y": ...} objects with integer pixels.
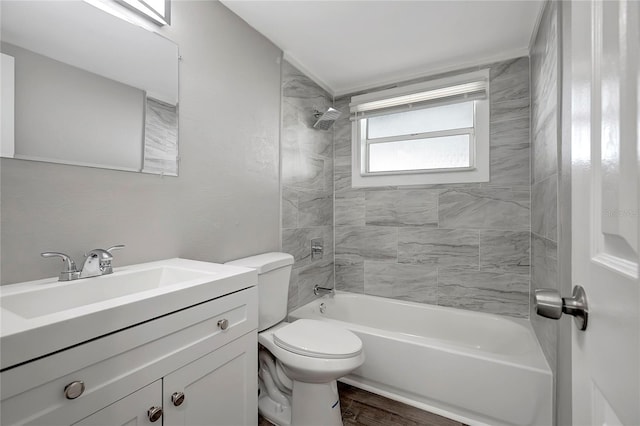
[
  {"x": 56, "y": 297},
  {"x": 44, "y": 316}
]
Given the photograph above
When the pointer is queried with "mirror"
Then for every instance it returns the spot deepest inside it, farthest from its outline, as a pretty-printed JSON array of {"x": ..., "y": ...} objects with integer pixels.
[{"x": 82, "y": 86}]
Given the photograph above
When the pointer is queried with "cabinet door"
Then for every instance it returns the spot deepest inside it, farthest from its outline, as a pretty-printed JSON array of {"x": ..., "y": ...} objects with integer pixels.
[
  {"x": 129, "y": 411},
  {"x": 220, "y": 388}
]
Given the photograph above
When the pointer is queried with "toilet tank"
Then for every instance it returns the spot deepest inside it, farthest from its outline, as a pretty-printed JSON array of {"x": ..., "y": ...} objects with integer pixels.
[{"x": 274, "y": 272}]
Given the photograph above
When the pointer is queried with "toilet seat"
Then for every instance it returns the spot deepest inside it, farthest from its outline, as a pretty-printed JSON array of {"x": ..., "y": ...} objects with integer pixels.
[
  {"x": 309, "y": 369},
  {"x": 317, "y": 339}
]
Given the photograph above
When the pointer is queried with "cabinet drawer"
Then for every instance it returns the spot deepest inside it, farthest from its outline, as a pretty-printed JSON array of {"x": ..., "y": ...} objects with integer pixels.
[{"x": 116, "y": 365}]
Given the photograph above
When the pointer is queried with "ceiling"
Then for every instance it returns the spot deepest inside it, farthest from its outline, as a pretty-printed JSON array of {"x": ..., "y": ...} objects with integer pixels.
[{"x": 346, "y": 46}]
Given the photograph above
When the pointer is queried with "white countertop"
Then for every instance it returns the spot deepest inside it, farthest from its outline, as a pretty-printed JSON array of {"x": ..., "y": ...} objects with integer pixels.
[{"x": 26, "y": 334}]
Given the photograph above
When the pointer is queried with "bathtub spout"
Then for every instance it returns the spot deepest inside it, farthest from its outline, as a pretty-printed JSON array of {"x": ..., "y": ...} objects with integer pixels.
[{"x": 320, "y": 291}]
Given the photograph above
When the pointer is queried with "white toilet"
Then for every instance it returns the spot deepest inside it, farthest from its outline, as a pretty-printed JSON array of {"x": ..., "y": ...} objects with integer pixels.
[{"x": 299, "y": 362}]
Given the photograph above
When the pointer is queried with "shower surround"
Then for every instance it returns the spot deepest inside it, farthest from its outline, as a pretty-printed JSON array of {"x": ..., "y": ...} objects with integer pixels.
[
  {"x": 307, "y": 184},
  {"x": 459, "y": 245},
  {"x": 546, "y": 172}
]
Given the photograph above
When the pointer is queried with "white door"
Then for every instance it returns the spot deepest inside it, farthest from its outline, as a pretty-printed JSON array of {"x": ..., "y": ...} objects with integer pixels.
[{"x": 603, "y": 66}]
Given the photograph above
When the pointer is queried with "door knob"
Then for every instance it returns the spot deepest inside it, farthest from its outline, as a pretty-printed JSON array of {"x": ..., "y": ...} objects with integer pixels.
[{"x": 549, "y": 304}]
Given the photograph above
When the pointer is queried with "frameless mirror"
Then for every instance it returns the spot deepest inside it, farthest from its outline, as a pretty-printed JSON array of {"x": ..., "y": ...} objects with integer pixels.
[{"x": 81, "y": 86}]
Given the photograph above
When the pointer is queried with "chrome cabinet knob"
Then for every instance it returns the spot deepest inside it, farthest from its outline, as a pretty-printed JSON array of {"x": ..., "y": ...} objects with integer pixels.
[
  {"x": 74, "y": 389},
  {"x": 549, "y": 304},
  {"x": 177, "y": 398},
  {"x": 223, "y": 324},
  {"x": 154, "y": 414}
]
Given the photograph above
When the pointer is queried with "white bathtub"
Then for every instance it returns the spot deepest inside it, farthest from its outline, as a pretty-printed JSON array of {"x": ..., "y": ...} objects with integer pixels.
[{"x": 477, "y": 368}]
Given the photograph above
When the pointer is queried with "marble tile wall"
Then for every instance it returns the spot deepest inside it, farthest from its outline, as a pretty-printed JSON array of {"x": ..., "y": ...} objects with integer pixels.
[
  {"x": 160, "y": 138},
  {"x": 460, "y": 245},
  {"x": 544, "y": 177},
  {"x": 307, "y": 184}
]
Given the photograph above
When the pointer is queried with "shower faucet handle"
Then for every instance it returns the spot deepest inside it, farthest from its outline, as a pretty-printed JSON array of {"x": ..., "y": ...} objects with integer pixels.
[{"x": 317, "y": 248}]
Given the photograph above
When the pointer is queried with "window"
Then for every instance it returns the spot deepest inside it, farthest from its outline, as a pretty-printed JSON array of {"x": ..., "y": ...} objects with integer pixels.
[
  {"x": 158, "y": 11},
  {"x": 431, "y": 132}
]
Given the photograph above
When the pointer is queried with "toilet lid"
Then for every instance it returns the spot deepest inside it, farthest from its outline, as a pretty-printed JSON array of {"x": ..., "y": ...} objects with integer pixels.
[{"x": 317, "y": 339}]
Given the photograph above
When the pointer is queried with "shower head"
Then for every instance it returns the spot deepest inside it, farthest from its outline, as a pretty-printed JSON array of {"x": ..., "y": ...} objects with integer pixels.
[{"x": 326, "y": 120}]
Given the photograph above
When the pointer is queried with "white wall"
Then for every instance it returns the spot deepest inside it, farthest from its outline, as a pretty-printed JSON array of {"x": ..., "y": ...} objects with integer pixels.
[{"x": 224, "y": 204}]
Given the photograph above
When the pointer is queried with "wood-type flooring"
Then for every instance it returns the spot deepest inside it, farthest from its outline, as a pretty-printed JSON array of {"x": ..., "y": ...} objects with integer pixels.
[{"x": 360, "y": 407}]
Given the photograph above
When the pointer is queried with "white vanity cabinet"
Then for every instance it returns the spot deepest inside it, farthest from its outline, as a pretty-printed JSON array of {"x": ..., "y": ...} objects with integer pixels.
[{"x": 205, "y": 354}]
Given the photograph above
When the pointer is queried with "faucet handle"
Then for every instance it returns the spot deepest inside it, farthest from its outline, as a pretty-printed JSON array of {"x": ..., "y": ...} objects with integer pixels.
[
  {"x": 105, "y": 257},
  {"x": 71, "y": 265},
  {"x": 71, "y": 272}
]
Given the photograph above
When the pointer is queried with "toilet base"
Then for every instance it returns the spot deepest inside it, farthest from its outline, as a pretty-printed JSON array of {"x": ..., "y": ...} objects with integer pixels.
[
  {"x": 315, "y": 404},
  {"x": 274, "y": 412},
  {"x": 312, "y": 404}
]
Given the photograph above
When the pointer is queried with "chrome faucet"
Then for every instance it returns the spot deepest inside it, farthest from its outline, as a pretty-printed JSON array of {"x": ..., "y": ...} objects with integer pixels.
[
  {"x": 97, "y": 262},
  {"x": 319, "y": 291}
]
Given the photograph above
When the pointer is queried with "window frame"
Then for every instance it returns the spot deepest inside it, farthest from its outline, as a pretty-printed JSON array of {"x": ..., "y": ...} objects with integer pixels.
[
  {"x": 143, "y": 9},
  {"x": 478, "y": 170}
]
